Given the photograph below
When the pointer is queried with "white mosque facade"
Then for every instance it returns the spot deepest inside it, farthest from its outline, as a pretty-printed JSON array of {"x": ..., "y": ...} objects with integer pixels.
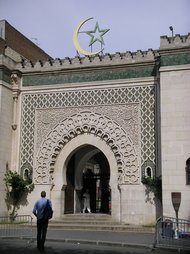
[{"x": 101, "y": 123}]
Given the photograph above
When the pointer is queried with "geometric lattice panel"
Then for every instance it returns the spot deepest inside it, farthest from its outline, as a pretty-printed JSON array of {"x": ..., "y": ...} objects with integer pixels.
[{"x": 143, "y": 95}]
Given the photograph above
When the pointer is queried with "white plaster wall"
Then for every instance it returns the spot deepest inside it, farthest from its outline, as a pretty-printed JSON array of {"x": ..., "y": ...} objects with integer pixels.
[
  {"x": 5, "y": 139},
  {"x": 175, "y": 136},
  {"x": 136, "y": 207}
]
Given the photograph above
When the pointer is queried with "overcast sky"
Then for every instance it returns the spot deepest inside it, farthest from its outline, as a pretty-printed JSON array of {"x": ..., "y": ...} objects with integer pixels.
[{"x": 133, "y": 24}]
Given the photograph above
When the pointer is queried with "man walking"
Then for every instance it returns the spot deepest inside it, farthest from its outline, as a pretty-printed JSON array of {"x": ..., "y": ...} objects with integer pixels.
[{"x": 42, "y": 223}]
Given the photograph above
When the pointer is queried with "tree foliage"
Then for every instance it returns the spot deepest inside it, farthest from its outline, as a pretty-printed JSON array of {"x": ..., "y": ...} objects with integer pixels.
[
  {"x": 154, "y": 185},
  {"x": 17, "y": 190}
]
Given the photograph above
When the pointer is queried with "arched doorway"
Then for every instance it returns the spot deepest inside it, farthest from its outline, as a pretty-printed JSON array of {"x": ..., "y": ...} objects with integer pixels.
[
  {"x": 88, "y": 168},
  {"x": 86, "y": 130},
  {"x": 59, "y": 175}
]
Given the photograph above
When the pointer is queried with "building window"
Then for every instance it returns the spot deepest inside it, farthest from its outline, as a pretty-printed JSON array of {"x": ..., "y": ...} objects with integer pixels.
[
  {"x": 148, "y": 172},
  {"x": 27, "y": 175},
  {"x": 187, "y": 168}
]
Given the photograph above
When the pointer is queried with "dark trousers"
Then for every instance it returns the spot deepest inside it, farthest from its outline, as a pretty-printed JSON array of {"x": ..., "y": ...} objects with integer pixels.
[{"x": 42, "y": 226}]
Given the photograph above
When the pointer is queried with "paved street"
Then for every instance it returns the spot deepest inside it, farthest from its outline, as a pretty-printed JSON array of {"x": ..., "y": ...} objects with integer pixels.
[
  {"x": 74, "y": 241},
  {"x": 18, "y": 246},
  {"x": 137, "y": 238}
]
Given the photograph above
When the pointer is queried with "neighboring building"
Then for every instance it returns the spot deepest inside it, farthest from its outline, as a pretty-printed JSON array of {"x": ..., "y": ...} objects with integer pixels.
[
  {"x": 14, "y": 48},
  {"x": 100, "y": 123},
  {"x": 12, "y": 41}
]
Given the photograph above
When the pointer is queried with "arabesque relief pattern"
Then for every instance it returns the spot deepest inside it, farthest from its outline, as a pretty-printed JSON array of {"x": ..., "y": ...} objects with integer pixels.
[
  {"x": 88, "y": 122},
  {"x": 126, "y": 115},
  {"x": 142, "y": 95}
]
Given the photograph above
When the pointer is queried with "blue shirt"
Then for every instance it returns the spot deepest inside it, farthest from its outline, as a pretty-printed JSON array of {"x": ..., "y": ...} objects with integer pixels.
[{"x": 39, "y": 207}]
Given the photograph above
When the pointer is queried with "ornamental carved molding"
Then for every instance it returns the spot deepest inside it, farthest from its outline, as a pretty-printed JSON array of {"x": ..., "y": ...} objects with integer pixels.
[
  {"x": 119, "y": 128},
  {"x": 15, "y": 81},
  {"x": 127, "y": 115}
]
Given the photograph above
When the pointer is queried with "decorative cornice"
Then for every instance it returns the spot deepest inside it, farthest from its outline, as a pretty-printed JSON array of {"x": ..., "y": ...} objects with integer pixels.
[
  {"x": 178, "y": 41},
  {"x": 80, "y": 62},
  {"x": 5, "y": 74},
  {"x": 185, "y": 67},
  {"x": 176, "y": 59},
  {"x": 65, "y": 77},
  {"x": 173, "y": 51}
]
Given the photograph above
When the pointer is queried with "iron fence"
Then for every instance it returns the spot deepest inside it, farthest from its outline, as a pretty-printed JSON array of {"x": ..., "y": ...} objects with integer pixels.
[
  {"x": 172, "y": 233},
  {"x": 19, "y": 226}
]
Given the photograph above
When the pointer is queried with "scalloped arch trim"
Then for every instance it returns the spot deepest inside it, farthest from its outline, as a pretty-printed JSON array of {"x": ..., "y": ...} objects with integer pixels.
[{"x": 99, "y": 126}]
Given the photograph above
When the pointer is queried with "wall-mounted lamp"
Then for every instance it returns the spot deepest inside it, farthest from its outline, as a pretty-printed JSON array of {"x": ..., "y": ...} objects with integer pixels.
[{"x": 171, "y": 29}]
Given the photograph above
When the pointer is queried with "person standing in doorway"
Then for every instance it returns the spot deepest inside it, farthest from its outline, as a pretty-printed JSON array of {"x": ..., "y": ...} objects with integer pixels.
[
  {"x": 86, "y": 198},
  {"x": 42, "y": 223}
]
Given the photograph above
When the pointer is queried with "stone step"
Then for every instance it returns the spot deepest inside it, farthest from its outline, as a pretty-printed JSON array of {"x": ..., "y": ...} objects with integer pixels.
[
  {"x": 83, "y": 221},
  {"x": 98, "y": 216},
  {"x": 95, "y": 222},
  {"x": 101, "y": 227},
  {"x": 86, "y": 218}
]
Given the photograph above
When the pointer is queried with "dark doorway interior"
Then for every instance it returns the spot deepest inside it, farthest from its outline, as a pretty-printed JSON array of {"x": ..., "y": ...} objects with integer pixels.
[
  {"x": 98, "y": 184},
  {"x": 95, "y": 177}
]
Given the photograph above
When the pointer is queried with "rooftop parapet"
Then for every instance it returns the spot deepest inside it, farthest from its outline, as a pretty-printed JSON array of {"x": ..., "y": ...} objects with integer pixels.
[
  {"x": 98, "y": 60},
  {"x": 177, "y": 41}
]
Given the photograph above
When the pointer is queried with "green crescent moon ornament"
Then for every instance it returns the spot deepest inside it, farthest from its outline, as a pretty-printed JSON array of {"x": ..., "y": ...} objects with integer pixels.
[{"x": 76, "y": 42}]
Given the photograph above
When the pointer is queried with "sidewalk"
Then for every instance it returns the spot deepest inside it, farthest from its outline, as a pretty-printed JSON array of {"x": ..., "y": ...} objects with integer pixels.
[
  {"x": 59, "y": 240},
  {"x": 23, "y": 246},
  {"x": 102, "y": 237}
]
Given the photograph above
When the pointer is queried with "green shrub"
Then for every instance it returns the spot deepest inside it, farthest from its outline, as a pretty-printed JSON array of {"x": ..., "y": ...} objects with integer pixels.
[
  {"x": 154, "y": 185},
  {"x": 17, "y": 190}
]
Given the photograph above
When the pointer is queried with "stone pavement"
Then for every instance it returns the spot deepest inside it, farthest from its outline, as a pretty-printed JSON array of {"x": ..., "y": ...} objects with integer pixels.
[
  {"x": 22, "y": 246},
  {"x": 102, "y": 237},
  {"x": 69, "y": 241}
]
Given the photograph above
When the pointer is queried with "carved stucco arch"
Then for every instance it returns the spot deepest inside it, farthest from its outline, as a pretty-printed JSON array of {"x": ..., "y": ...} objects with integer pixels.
[{"x": 95, "y": 124}]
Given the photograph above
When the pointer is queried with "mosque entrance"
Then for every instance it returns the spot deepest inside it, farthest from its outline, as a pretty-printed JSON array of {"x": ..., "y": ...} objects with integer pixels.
[{"x": 88, "y": 169}]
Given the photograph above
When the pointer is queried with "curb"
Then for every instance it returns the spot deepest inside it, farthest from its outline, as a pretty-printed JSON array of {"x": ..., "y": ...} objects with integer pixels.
[
  {"x": 145, "y": 247},
  {"x": 82, "y": 241},
  {"x": 110, "y": 228},
  {"x": 101, "y": 243}
]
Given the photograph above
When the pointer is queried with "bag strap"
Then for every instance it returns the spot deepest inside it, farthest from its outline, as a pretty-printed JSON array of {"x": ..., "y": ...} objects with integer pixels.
[{"x": 46, "y": 207}]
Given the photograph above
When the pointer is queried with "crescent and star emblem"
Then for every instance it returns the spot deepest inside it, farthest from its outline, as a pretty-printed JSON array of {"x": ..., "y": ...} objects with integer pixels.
[{"x": 96, "y": 36}]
